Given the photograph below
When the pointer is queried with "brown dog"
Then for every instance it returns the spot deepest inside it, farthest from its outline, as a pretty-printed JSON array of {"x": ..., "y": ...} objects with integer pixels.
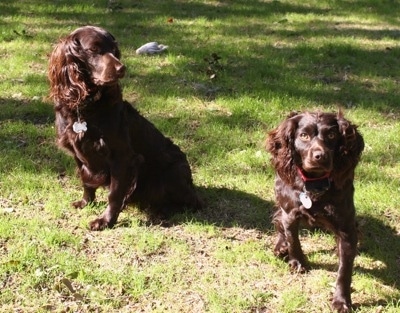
[
  {"x": 112, "y": 144},
  {"x": 315, "y": 155}
]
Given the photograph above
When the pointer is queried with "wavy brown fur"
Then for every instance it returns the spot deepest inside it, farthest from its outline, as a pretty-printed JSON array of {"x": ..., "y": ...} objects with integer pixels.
[
  {"x": 324, "y": 149},
  {"x": 120, "y": 149}
]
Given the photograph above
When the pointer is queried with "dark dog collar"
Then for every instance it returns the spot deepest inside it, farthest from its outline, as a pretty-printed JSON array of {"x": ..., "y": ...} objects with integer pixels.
[
  {"x": 315, "y": 186},
  {"x": 94, "y": 98}
]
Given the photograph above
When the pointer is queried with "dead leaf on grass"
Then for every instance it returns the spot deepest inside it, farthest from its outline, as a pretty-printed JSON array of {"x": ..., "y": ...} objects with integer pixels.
[
  {"x": 11, "y": 263},
  {"x": 213, "y": 65},
  {"x": 68, "y": 284},
  {"x": 65, "y": 282}
]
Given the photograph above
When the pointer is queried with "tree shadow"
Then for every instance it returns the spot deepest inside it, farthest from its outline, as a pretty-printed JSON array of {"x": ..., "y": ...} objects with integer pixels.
[
  {"x": 331, "y": 74},
  {"x": 26, "y": 111},
  {"x": 25, "y": 137}
]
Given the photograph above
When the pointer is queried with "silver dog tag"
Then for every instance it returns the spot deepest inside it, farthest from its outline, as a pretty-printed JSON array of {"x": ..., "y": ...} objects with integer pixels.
[
  {"x": 79, "y": 127},
  {"x": 305, "y": 200}
]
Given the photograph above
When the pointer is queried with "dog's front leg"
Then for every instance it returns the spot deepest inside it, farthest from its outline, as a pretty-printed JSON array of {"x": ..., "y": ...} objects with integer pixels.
[
  {"x": 89, "y": 195},
  {"x": 347, "y": 248},
  {"x": 123, "y": 183},
  {"x": 290, "y": 222},
  {"x": 109, "y": 217},
  {"x": 89, "y": 191}
]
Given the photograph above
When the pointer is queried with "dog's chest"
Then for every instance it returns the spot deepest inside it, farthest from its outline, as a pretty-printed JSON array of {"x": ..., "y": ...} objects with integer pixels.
[
  {"x": 95, "y": 146},
  {"x": 89, "y": 146},
  {"x": 321, "y": 210},
  {"x": 316, "y": 210}
]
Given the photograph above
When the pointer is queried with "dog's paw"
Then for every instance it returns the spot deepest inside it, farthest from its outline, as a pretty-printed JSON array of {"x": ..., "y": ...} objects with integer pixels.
[
  {"x": 80, "y": 204},
  {"x": 281, "y": 249},
  {"x": 99, "y": 224},
  {"x": 341, "y": 305},
  {"x": 297, "y": 267},
  {"x": 281, "y": 252}
]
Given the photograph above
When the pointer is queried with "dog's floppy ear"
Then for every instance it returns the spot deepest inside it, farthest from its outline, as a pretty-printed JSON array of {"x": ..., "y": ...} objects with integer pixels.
[
  {"x": 351, "y": 145},
  {"x": 68, "y": 73},
  {"x": 280, "y": 143}
]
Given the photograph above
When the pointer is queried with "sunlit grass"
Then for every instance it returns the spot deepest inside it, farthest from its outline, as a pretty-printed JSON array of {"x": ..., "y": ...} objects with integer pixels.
[{"x": 274, "y": 57}]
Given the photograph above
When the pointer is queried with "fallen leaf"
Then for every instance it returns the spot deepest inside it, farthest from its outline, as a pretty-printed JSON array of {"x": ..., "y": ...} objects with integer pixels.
[{"x": 68, "y": 284}]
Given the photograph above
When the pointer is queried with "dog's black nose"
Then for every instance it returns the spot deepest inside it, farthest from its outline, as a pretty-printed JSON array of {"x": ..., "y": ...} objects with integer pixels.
[
  {"x": 120, "y": 69},
  {"x": 318, "y": 155}
]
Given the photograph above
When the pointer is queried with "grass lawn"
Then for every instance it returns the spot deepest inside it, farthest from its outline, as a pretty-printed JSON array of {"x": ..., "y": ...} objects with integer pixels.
[{"x": 233, "y": 70}]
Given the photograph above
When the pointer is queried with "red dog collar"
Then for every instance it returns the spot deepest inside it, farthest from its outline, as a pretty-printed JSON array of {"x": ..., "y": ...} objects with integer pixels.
[
  {"x": 315, "y": 187},
  {"x": 305, "y": 178}
]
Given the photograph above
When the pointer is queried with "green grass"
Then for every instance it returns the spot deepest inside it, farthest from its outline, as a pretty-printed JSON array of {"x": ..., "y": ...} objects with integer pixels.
[{"x": 275, "y": 57}]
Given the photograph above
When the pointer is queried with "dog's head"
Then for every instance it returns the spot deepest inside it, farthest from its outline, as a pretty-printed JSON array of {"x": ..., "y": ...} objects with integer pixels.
[
  {"x": 82, "y": 62},
  {"x": 315, "y": 143}
]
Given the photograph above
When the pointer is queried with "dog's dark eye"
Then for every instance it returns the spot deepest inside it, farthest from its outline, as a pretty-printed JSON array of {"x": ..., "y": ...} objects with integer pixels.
[
  {"x": 92, "y": 50},
  {"x": 331, "y": 135},
  {"x": 305, "y": 137}
]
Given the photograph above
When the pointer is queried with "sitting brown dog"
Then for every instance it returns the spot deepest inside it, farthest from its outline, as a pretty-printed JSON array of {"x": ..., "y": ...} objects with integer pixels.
[{"x": 112, "y": 144}]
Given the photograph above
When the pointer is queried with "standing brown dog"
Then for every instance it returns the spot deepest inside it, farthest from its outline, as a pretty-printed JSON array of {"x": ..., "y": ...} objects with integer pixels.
[
  {"x": 315, "y": 155},
  {"x": 112, "y": 144}
]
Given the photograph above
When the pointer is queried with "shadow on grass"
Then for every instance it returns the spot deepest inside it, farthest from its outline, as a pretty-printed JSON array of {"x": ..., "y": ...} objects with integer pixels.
[
  {"x": 223, "y": 207},
  {"x": 331, "y": 74},
  {"x": 26, "y": 139},
  {"x": 233, "y": 208},
  {"x": 26, "y": 111},
  {"x": 381, "y": 243}
]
